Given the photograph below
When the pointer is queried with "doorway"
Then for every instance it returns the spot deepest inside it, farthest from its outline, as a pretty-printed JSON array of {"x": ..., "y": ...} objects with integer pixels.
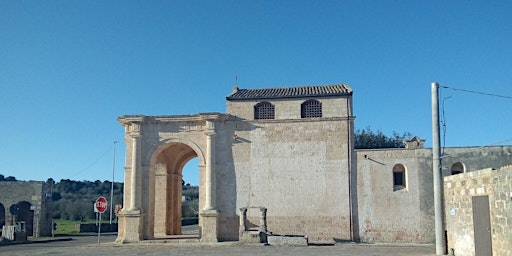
[
  {"x": 482, "y": 226},
  {"x": 176, "y": 199}
]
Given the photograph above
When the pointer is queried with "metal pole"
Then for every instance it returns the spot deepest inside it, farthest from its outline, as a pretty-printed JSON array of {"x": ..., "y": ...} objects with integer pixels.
[
  {"x": 112, "y": 188},
  {"x": 437, "y": 172},
  {"x": 99, "y": 229}
]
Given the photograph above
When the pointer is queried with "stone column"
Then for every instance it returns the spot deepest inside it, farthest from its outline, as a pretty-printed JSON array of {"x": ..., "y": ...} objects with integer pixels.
[
  {"x": 131, "y": 218},
  {"x": 209, "y": 214},
  {"x": 134, "y": 192},
  {"x": 209, "y": 175}
]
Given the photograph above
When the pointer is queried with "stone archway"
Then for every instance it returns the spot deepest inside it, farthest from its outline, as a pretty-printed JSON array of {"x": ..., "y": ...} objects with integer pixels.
[
  {"x": 26, "y": 214},
  {"x": 157, "y": 148},
  {"x": 168, "y": 162}
]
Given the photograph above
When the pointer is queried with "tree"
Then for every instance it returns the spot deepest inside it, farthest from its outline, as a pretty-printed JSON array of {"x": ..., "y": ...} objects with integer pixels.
[
  {"x": 368, "y": 139},
  {"x": 10, "y": 178}
]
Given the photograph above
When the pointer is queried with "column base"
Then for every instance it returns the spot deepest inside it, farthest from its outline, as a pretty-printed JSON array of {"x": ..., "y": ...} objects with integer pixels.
[
  {"x": 209, "y": 226},
  {"x": 130, "y": 225}
]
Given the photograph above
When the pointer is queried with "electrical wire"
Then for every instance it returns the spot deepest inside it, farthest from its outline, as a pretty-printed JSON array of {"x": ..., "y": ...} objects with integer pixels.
[
  {"x": 443, "y": 122},
  {"x": 443, "y": 118},
  {"x": 476, "y": 92}
]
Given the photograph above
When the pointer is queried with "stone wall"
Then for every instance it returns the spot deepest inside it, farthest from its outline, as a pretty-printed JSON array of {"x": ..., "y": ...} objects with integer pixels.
[
  {"x": 407, "y": 215},
  {"x": 291, "y": 108},
  {"x": 459, "y": 191},
  {"x": 388, "y": 215},
  {"x": 33, "y": 193},
  {"x": 296, "y": 168}
]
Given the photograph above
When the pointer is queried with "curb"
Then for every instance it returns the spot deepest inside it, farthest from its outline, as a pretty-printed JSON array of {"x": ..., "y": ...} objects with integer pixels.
[{"x": 7, "y": 243}]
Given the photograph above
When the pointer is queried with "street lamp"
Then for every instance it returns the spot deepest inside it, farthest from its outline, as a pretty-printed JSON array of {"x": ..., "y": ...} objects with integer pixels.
[{"x": 112, "y": 188}]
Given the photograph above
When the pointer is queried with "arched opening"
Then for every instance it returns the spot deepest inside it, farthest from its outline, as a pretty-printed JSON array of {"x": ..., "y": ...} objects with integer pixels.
[
  {"x": 26, "y": 214},
  {"x": 2, "y": 215},
  {"x": 457, "y": 168},
  {"x": 399, "y": 177},
  {"x": 190, "y": 197},
  {"x": 169, "y": 163}
]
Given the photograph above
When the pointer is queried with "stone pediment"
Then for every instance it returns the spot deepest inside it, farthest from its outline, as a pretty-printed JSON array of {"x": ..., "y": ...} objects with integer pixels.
[{"x": 414, "y": 143}]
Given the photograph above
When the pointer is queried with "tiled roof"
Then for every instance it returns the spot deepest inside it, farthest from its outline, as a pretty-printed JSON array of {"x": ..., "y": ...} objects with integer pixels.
[{"x": 290, "y": 92}]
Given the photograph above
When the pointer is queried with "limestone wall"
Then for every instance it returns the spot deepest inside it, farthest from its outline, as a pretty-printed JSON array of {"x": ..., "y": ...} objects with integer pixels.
[
  {"x": 459, "y": 191},
  {"x": 385, "y": 214},
  {"x": 289, "y": 108},
  {"x": 298, "y": 170},
  {"x": 407, "y": 215},
  {"x": 34, "y": 193}
]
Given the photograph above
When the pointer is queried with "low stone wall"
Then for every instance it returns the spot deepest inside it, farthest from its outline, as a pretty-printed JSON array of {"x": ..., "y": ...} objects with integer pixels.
[
  {"x": 92, "y": 227},
  {"x": 105, "y": 227},
  {"x": 189, "y": 221}
]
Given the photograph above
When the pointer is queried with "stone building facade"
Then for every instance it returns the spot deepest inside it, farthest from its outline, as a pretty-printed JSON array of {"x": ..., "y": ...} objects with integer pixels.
[
  {"x": 31, "y": 203},
  {"x": 289, "y": 151},
  {"x": 478, "y": 212},
  {"x": 395, "y": 188}
]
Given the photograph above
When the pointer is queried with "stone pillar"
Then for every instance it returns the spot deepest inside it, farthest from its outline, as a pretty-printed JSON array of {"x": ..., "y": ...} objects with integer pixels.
[
  {"x": 129, "y": 227},
  {"x": 134, "y": 191},
  {"x": 131, "y": 218},
  {"x": 209, "y": 214},
  {"x": 209, "y": 175},
  {"x": 174, "y": 203},
  {"x": 160, "y": 222}
]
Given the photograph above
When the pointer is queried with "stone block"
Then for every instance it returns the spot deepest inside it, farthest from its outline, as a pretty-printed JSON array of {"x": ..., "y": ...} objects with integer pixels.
[{"x": 287, "y": 240}]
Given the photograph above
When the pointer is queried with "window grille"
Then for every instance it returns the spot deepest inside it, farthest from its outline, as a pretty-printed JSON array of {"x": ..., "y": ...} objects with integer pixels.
[
  {"x": 264, "y": 110},
  {"x": 311, "y": 108}
]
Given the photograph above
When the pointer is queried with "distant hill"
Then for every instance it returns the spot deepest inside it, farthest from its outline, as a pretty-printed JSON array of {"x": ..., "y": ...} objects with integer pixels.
[{"x": 74, "y": 200}]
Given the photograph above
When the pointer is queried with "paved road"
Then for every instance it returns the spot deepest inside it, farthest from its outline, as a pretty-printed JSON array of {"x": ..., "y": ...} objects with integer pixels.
[
  {"x": 83, "y": 246},
  {"x": 57, "y": 244}
]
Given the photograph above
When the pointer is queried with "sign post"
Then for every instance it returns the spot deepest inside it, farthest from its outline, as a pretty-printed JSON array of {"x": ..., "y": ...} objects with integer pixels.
[{"x": 101, "y": 206}]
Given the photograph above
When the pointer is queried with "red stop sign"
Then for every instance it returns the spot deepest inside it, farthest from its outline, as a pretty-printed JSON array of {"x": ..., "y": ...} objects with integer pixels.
[{"x": 101, "y": 204}]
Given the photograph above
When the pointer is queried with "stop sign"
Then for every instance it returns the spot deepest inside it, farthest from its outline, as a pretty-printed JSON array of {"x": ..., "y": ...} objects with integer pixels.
[{"x": 101, "y": 204}]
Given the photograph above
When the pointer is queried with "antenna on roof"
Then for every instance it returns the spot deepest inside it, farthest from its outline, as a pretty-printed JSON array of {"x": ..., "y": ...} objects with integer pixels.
[{"x": 235, "y": 88}]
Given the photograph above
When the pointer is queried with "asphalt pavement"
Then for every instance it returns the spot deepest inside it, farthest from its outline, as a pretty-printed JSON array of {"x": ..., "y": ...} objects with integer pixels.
[{"x": 87, "y": 245}]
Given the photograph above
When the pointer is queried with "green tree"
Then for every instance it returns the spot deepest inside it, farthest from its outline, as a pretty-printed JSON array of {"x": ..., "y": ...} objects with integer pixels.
[{"x": 368, "y": 139}]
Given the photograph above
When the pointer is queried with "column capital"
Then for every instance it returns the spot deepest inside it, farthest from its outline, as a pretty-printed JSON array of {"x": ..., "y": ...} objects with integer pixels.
[
  {"x": 134, "y": 135},
  {"x": 210, "y": 133}
]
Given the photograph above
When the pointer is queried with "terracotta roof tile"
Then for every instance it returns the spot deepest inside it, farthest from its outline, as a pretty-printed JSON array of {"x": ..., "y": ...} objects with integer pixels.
[{"x": 291, "y": 92}]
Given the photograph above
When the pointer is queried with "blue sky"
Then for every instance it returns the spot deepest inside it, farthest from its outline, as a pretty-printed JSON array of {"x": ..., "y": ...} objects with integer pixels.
[{"x": 68, "y": 69}]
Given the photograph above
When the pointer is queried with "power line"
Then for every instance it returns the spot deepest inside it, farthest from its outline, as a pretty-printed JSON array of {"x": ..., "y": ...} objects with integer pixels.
[
  {"x": 494, "y": 144},
  {"x": 482, "y": 93}
]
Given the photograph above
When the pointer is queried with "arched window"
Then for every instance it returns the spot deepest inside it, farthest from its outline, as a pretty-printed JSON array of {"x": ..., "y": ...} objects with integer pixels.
[
  {"x": 311, "y": 108},
  {"x": 399, "y": 177},
  {"x": 457, "y": 168},
  {"x": 264, "y": 110}
]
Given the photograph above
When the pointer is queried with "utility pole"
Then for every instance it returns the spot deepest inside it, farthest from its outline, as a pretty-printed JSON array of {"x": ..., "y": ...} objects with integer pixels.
[
  {"x": 112, "y": 188},
  {"x": 437, "y": 172}
]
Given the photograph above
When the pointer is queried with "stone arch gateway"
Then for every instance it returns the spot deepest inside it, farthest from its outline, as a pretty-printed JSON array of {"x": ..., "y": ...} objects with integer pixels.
[{"x": 157, "y": 148}]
